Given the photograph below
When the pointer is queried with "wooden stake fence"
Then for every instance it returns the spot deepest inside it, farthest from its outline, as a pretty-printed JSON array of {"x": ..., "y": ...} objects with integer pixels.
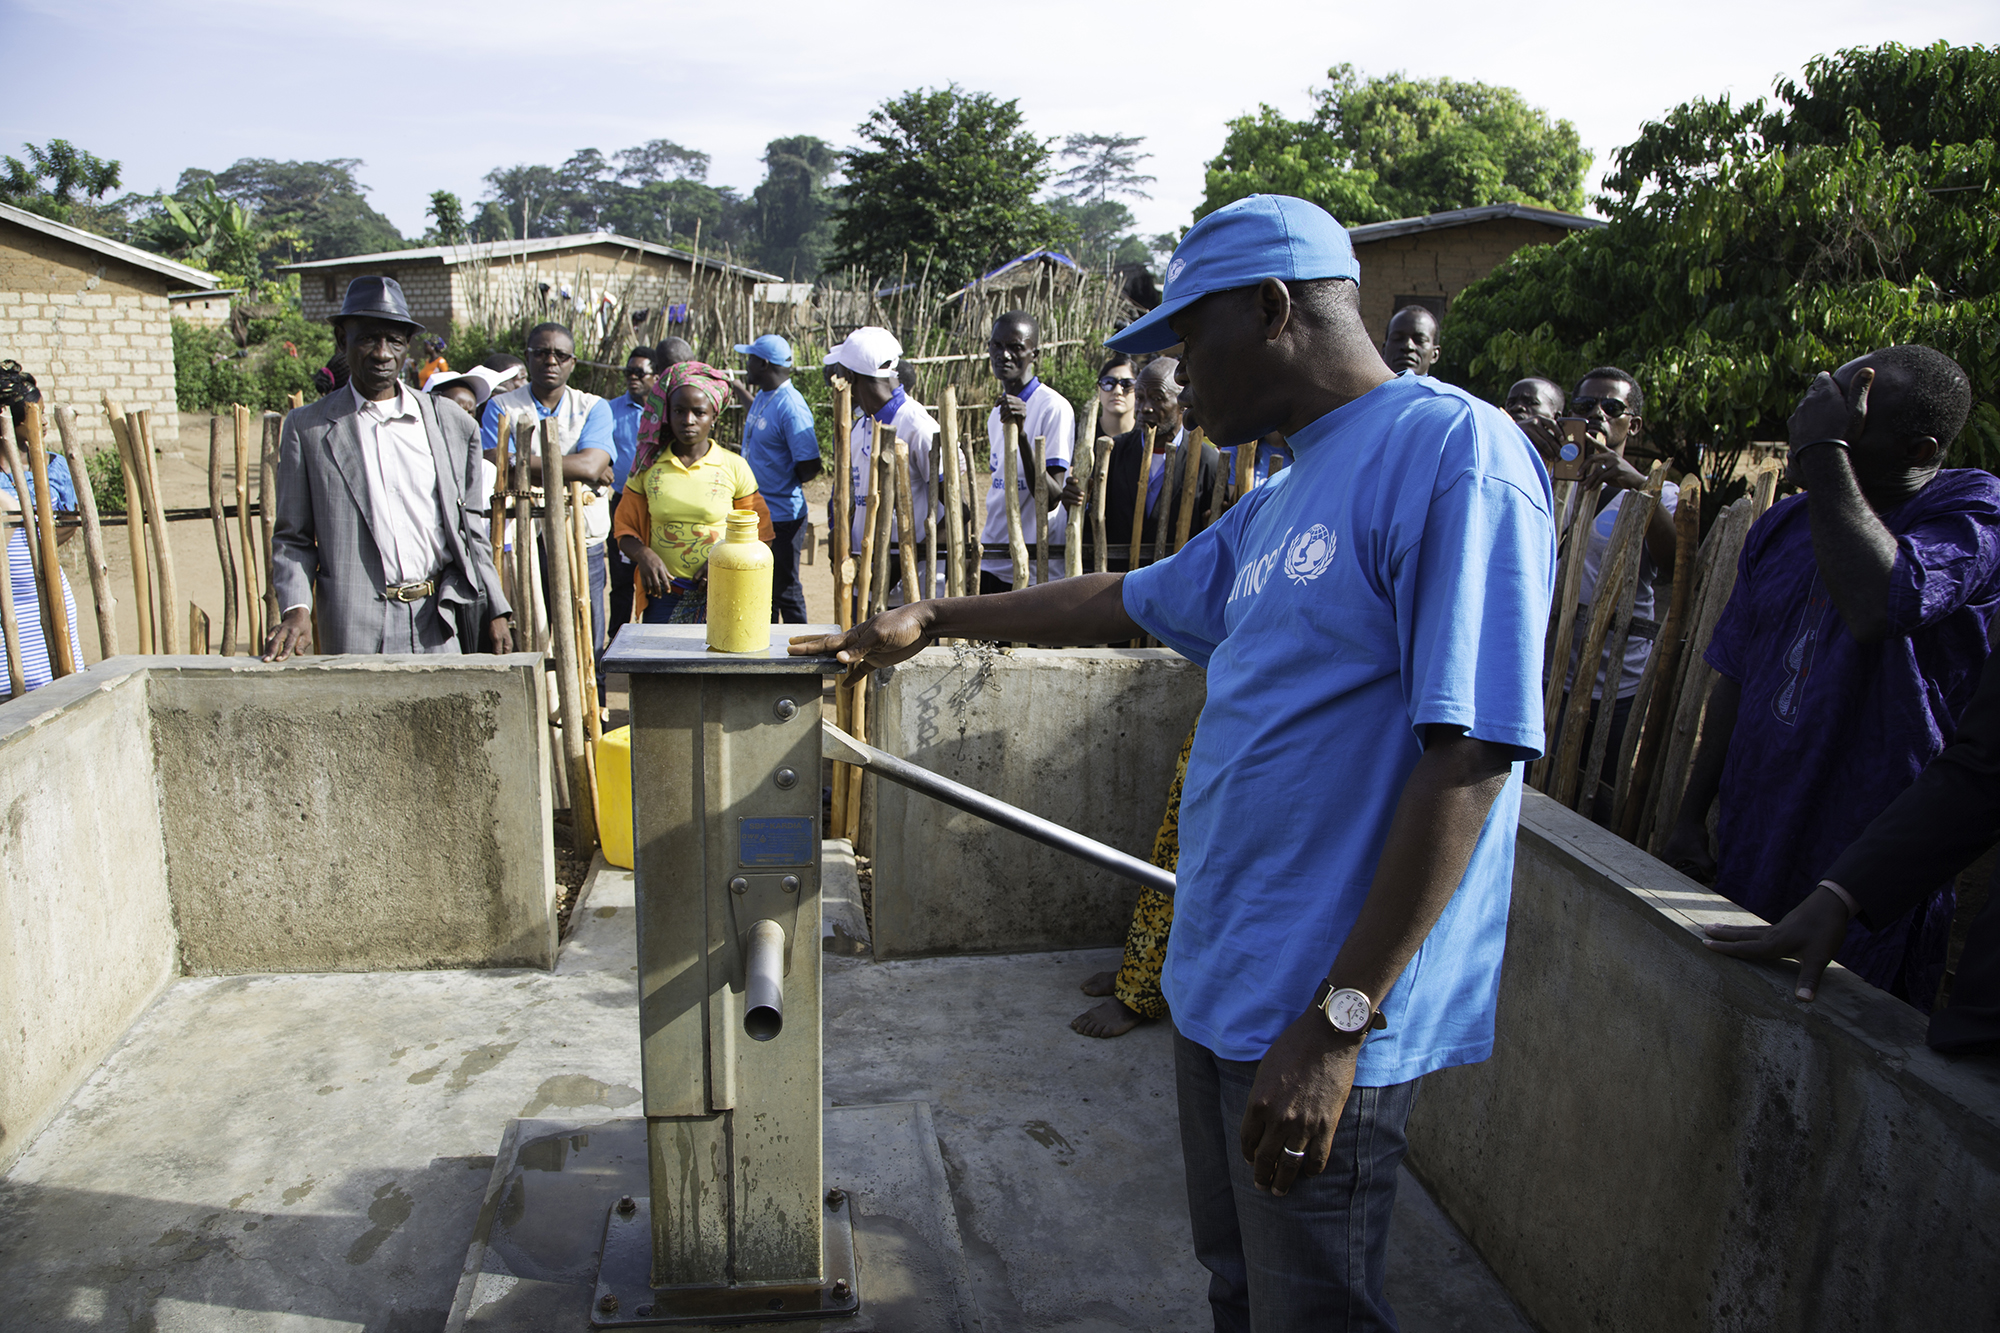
[
  {"x": 93, "y": 536},
  {"x": 223, "y": 550}
]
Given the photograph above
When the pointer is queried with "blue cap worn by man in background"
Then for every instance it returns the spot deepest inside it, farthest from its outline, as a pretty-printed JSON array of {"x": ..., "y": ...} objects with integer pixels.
[
  {"x": 782, "y": 449},
  {"x": 1339, "y": 925}
]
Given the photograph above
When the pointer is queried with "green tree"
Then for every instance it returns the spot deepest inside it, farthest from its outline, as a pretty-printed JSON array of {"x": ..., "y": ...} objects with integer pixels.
[
  {"x": 447, "y": 219},
  {"x": 320, "y": 203},
  {"x": 62, "y": 182},
  {"x": 203, "y": 228},
  {"x": 943, "y": 176},
  {"x": 1392, "y": 147},
  {"x": 1750, "y": 246},
  {"x": 793, "y": 207},
  {"x": 654, "y": 192},
  {"x": 1100, "y": 227}
]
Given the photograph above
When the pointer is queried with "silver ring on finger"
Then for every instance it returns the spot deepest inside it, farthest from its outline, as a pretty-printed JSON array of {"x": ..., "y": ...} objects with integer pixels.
[{"x": 1296, "y": 1154}]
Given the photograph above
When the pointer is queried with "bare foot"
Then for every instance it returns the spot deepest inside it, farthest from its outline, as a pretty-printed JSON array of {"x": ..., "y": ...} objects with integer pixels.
[
  {"x": 1100, "y": 983},
  {"x": 1113, "y": 1018}
]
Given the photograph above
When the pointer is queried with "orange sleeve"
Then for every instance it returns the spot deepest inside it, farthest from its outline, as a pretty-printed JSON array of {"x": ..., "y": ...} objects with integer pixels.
[
  {"x": 633, "y": 519},
  {"x": 766, "y": 531}
]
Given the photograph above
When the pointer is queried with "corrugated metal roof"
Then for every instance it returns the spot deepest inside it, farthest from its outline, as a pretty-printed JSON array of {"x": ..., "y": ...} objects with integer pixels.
[
  {"x": 1462, "y": 217},
  {"x": 490, "y": 251}
]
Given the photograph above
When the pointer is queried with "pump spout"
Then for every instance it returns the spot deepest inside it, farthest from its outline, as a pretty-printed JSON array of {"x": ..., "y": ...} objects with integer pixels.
[
  {"x": 837, "y": 745},
  {"x": 764, "y": 980}
]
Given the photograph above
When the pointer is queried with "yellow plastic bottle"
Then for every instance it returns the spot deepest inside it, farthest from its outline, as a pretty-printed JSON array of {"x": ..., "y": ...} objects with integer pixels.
[{"x": 739, "y": 588}]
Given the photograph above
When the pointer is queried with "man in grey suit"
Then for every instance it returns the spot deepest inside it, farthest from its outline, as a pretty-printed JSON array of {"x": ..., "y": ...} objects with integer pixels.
[{"x": 373, "y": 481}]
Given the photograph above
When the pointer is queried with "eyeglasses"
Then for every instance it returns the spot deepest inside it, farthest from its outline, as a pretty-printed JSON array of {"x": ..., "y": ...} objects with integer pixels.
[
  {"x": 1112, "y": 384},
  {"x": 555, "y": 354},
  {"x": 1613, "y": 408}
]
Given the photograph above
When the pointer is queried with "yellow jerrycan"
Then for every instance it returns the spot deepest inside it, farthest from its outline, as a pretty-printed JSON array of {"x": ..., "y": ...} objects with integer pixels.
[{"x": 739, "y": 588}]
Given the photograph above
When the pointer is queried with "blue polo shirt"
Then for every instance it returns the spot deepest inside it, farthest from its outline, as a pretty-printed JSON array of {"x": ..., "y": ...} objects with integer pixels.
[
  {"x": 625, "y": 416},
  {"x": 1398, "y": 574},
  {"x": 777, "y": 437}
]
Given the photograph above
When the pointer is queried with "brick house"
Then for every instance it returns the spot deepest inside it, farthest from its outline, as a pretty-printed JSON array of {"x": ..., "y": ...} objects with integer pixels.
[
  {"x": 1429, "y": 260},
  {"x": 447, "y": 284},
  {"x": 86, "y": 315},
  {"x": 211, "y": 307}
]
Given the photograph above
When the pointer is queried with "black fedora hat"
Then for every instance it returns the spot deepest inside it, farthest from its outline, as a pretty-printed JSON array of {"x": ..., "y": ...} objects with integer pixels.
[{"x": 374, "y": 297}]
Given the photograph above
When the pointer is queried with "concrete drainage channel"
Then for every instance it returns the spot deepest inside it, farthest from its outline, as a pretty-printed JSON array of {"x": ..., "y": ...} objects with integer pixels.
[{"x": 299, "y": 1121}]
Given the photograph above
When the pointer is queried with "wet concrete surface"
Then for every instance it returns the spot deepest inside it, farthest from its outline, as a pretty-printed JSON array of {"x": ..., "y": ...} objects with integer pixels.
[{"x": 311, "y": 1152}]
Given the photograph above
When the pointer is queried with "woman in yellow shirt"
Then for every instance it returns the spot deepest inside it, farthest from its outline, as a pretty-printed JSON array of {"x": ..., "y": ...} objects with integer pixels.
[{"x": 683, "y": 489}]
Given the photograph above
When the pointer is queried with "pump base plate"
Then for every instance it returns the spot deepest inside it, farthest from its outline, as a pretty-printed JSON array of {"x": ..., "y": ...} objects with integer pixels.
[
  {"x": 626, "y": 1299},
  {"x": 538, "y": 1244}
]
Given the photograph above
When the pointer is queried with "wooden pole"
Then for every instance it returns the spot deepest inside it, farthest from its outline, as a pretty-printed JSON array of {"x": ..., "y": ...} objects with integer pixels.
[
  {"x": 170, "y": 595},
  {"x": 1246, "y": 470},
  {"x": 1190, "y": 488},
  {"x": 1010, "y": 471},
  {"x": 10, "y": 625},
  {"x": 906, "y": 526},
  {"x": 38, "y": 464},
  {"x": 1562, "y": 622},
  {"x": 197, "y": 631},
  {"x": 1611, "y": 573},
  {"x": 32, "y": 532},
  {"x": 1655, "y": 692},
  {"x": 1139, "y": 497},
  {"x": 1100, "y": 481},
  {"x": 531, "y": 612},
  {"x": 864, "y": 574},
  {"x": 586, "y": 638},
  {"x": 267, "y": 512},
  {"x": 1081, "y": 465},
  {"x": 555, "y": 514},
  {"x": 839, "y": 540},
  {"x": 93, "y": 536},
  {"x": 1041, "y": 492},
  {"x": 222, "y": 547},
  {"x": 496, "y": 517},
  {"x": 135, "y": 533},
  {"x": 954, "y": 498},
  {"x": 882, "y": 512},
  {"x": 253, "y": 578}
]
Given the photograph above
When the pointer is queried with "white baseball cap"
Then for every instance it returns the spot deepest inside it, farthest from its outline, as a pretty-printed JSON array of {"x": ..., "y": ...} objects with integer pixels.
[{"x": 867, "y": 351}]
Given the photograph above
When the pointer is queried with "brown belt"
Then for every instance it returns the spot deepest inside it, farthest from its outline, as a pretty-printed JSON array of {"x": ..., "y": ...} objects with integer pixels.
[{"x": 409, "y": 592}]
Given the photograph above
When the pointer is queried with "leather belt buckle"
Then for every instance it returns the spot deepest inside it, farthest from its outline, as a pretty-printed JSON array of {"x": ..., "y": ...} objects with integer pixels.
[{"x": 410, "y": 592}]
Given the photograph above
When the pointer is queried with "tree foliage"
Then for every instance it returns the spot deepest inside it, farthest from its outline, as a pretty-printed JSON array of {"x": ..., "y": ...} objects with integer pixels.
[
  {"x": 793, "y": 207},
  {"x": 320, "y": 204},
  {"x": 655, "y": 191},
  {"x": 1099, "y": 227},
  {"x": 1751, "y": 246},
  {"x": 946, "y": 177},
  {"x": 1395, "y": 147},
  {"x": 62, "y": 182}
]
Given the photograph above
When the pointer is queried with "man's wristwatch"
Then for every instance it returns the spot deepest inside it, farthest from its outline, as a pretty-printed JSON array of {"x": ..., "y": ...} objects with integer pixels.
[{"x": 1348, "y": 1009}]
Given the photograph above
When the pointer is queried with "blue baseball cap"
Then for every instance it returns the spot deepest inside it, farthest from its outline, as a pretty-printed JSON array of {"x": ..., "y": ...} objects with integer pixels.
[
  {"x": 771, "y": 347},
  {"x": 1263, "y": 236}
]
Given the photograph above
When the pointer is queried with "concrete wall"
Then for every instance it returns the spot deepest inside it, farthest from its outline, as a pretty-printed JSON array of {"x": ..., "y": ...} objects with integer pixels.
[
  {"x": 1086, "y": 737},
  {"x": 356, "y": 814},
  {"x": 1441, "y": 263},
  {"x": 83, "y": 323},
  {"x": 161, "y": 815},
  {"x": 86, "y": 926},
  {"x": 1666, "y": 1140}
]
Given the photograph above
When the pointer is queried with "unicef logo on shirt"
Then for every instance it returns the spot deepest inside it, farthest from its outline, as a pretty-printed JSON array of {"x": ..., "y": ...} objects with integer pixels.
[{"x": 1309, "y": 554}]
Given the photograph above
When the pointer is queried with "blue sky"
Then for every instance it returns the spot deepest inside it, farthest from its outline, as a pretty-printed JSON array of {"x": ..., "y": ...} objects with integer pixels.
[{"x": 432, "y": 96}]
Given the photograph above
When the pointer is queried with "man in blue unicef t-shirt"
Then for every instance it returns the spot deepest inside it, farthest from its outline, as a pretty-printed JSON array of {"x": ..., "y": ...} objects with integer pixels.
[
  {"x": 783, "y": 452},
  {"x": 1372, "y": 625}
]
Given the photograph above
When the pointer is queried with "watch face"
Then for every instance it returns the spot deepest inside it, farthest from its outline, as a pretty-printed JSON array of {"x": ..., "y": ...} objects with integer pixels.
[{"x": 1348, "y": 1010}]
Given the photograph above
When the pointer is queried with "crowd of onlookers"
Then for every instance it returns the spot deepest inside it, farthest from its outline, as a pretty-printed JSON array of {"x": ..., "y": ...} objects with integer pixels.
[{"x": 1850, "y": 654}]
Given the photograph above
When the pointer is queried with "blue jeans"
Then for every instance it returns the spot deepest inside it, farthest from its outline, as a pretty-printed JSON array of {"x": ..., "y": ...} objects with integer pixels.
[{"x": 1314, "y": 1259}]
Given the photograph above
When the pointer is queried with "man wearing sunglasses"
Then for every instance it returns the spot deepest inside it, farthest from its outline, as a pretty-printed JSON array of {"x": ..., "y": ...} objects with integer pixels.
[
  {"x": 1608, "y": 401},
  {"x": 585, "y": 428}
]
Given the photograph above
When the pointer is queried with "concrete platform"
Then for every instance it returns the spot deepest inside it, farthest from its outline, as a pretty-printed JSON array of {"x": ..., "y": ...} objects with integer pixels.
[{"x": 311, "y": 1152}]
